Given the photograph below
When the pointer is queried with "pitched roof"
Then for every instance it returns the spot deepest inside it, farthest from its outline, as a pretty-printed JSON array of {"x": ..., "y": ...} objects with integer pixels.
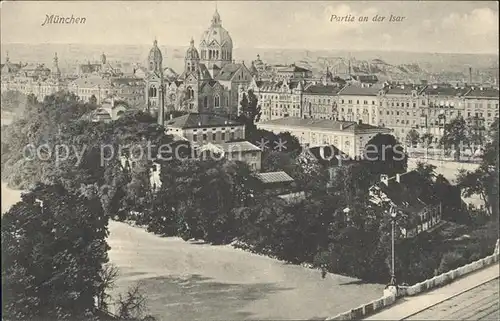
[
  {"x": 402, "y": 89},
  {"x": 446, "y": 90},
  {"x": 91, "y": 82},
  {"x": 351, "y": 90},
  {"x": 127, "y": 81},
  {"x": 325, "y": 124},
  {"x": 292, "y": 68},
  {"x": 197, "y": 120},
  {"x": 322, "y": 89},
  {"x": 483, "y": 93},
  {"x": 370, "y": 79},
  {"x": 243, "y": 146},
  {"x": 227, "y": 72},
  {"x": 411, "y": 194},
  {"x": 274, "y": 177}
]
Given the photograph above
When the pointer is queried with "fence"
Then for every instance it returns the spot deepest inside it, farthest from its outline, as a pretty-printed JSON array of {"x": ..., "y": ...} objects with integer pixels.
[{"x": 437, "y": 281}]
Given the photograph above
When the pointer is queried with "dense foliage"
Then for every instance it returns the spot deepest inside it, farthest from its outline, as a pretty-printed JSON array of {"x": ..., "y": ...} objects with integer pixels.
[
  {"x": 53, "y": 249},
  {"x": 385, "y": 155},
  {"x": 214, "y": 200}
]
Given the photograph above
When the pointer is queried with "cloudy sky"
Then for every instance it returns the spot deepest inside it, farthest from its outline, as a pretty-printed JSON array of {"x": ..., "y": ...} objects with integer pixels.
[{"x": 460, "y": 27}]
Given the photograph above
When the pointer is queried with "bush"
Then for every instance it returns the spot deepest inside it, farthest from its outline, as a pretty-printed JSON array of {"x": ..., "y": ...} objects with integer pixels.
[
  {"x": 450, "y": 261},
  {"x": 53, "y": 253}
]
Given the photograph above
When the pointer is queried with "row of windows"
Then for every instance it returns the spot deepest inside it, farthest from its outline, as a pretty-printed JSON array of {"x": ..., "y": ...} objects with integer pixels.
[
  {"x": 204, "y": 137},
  {"x": 365, "y": 102}
]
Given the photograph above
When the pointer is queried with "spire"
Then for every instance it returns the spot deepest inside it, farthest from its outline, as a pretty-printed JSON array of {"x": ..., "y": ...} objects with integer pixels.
[
  {"x": 7, "y": 56},
  {"x": 55, "y": 58},
  {"x": 216, "y": 21},
  {"x": 191, "y": 43},
  {"x": 155, "y": 42}
]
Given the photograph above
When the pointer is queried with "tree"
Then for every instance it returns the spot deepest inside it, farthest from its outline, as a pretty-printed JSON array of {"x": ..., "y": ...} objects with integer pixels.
[
  {"x": 385, "y": 155},
  {"x": 250, "y": 112},
  {"x": 484, "y": 180},
  {"x": 53, "y": 251},
  {"x": 93, "y": 100},
  {"x": 412, "y": 138},
  {"x": 456, "y": 136},
  {"x": 426, "y": 139}
]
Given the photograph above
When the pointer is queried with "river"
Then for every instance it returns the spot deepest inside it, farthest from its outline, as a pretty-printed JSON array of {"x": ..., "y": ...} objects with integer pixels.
[{"x": 186, "y": 281}]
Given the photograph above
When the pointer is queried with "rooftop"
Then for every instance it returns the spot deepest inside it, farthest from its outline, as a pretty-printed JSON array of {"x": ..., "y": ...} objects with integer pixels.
[
  {"x": 402, "y": 89},
  {"x": 274, "y": 177},
  {"x": 483, "y": 93},
  {"x": 322, "y": 89},
  {"x": 243, "y": 146},
  {"x": 444, "y": 90},
  {"x": 227, "y": 72},
  {"x": 411, "y": 194},
  {"x": 325, "y": 124},
  {"x": 351, "y": 90},
  {"x": 197, "y": 120}
]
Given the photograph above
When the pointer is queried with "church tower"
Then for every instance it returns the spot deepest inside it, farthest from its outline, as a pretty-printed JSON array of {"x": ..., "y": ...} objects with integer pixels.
[
  {"x": 216, "y": 46},
  {"x": 154, "y": 90},
  {"x": 103, "y": 59},
  {"x": 191, "y": 60},
  {"x": 55, "y": 72}
]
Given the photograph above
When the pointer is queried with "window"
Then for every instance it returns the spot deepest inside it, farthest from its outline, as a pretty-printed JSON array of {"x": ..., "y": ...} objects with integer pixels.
[
  {"x": 223, "y": 136},
  {"x": 190, "y": 93},
  {"x": 204, "y": 137},
  {"x": 214, "y": 137},
  {"x": 217, "y": 101},
  {"x": 357, "y": 102},
  {"x": 195, "y": 138},
  {"x": 231, "y": 136}
]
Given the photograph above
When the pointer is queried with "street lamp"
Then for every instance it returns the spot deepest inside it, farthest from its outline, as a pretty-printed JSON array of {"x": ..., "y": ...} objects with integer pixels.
[{"x": 393, "y": 214}]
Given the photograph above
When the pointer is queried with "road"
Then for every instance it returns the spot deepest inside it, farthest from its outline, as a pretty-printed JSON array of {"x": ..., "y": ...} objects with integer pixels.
[
  {"x": 186, "y": 281},
  {"x": 472, "y": 297},
  {"x": 480, "y": 303}
]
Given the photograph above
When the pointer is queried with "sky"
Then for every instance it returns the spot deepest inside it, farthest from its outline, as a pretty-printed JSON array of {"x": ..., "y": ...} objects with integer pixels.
[{"x": 452, "y": 27}]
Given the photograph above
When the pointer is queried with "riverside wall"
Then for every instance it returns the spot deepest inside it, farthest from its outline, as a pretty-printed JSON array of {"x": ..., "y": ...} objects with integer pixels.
[{"x": 429, "y": 284}]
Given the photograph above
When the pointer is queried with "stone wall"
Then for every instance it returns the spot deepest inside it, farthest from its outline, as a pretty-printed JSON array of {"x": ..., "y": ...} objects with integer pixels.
[{"x": 437, "y": 281}]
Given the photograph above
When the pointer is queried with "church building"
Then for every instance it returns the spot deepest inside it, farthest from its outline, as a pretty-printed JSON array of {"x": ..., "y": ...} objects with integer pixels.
[{"x": 209, "y": 82}]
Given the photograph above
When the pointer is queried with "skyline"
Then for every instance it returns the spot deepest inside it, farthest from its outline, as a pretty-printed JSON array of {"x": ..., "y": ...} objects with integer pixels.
[{"x": 467, "y": 27}]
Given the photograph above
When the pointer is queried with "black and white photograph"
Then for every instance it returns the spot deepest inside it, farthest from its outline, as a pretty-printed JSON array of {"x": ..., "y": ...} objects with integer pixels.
[{"x": 249, "y": 160}]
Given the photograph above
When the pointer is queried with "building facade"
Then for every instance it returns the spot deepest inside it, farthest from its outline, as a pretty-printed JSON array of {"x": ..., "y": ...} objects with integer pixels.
[
  {"x": 349, "y": 137},
  {"x": 277, "y": 99},
  {"x": 358, "y": 103},
  {"x": 200, "y": 129},
  {"x": 209, "y": 82},
  {"x": 320, "y": 101}
]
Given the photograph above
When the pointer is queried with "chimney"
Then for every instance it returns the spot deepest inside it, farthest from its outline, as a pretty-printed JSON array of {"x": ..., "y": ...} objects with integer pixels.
[
  {"x": 398, "y": 178},
  {"x": 360, "y": 121},
  {"x": 470, "y": 75},
  {"x": 384, "y": 179}
]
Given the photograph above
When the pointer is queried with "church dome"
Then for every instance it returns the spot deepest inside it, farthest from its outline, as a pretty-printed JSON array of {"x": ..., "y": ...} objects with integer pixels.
[
  {"x": 216, "y": 33},
  {"x": 192, "y": 53},
  {"x": 155, "y": 53}
]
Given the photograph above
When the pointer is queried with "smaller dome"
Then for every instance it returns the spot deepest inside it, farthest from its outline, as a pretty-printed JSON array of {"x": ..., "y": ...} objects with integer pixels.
[
  {"x": 192, "y": 53},
  {"x": 155, "y": 53}
]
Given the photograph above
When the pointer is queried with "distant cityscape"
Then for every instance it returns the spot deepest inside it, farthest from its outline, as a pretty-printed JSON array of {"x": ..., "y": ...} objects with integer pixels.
[{"x": 402, "y": 98}]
